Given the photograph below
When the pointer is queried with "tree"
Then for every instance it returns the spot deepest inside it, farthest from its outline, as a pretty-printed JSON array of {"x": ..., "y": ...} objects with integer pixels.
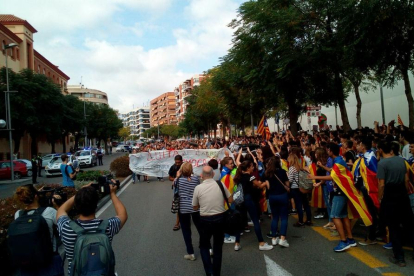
[{"x": 124, "y": 133}]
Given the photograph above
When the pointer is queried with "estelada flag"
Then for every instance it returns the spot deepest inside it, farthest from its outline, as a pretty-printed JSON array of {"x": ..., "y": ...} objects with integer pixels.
[
  {"x": 263, "y": 128},
  {"x": 344, "y": 180},
  {"x": 227, "y": 180},
  {"x": 317, "y": 200},
  {"x": 284, "y": 164},
  {"x": 366, "y": 167},
  {"x": 410, "y": 168},
  {"x": 400, "y": 122},
  {"x": 263, "y": 201}
]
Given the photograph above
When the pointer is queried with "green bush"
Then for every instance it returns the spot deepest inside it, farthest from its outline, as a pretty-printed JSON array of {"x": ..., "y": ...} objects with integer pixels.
[
  {"x": 121, "y": 166},
  {"x": 90, "y": 175}
]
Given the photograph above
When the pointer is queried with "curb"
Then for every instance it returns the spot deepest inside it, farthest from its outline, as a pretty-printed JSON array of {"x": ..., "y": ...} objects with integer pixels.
[{"x": 107, "y": 198}]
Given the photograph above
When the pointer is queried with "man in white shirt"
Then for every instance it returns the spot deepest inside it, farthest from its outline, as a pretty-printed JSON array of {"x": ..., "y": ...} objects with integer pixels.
[
  {"x": 208, "y": 197},
  {"x": 404, "y": 137}
]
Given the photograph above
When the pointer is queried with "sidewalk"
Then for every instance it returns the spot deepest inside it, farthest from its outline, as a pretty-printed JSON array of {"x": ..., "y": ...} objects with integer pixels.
[{"x": 16, "y": 181}]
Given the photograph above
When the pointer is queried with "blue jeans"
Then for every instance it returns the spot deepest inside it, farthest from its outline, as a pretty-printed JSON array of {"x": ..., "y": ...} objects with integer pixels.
[
  {"x": 252, "y": 210},
  {"x": 339, "y": 207},
  {"x": 185, "y": 222},
  {"x": 212, "y": 226},
  {"x": 327, "y": 202},
  {"x": 279, "y": 204},
  {"x": 301, "y": 200}
]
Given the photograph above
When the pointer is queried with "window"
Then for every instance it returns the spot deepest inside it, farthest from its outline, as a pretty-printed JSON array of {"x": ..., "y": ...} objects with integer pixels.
[
  {"x": 38, "y": 69},
  {"x": 44, "y": 71},
  {"x": 18, "y": 54}
]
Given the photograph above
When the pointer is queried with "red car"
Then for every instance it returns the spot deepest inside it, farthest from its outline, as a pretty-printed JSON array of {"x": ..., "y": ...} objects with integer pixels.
[{"x": 19, "y": 170}]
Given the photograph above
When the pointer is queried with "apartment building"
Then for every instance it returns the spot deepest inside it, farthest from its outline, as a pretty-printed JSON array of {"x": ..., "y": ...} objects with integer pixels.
[
  {"x": 16, "y": 30},
  {"x": 182, "y": 92},
  {"x": 89, "y": 95},
  {"x": 23, "y": 56},
  {"x": 137, "y": 120},
  {"x": 163, "y": 110}
]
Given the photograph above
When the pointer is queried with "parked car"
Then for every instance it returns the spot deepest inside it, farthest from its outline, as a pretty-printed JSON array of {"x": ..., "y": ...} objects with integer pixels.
[
  {"x": 53, "y": 167},
  {"x": 123, "y": 148},
  {"x": 28, "y": 164},
  {"x": 47, "y": 158},
  {"x": 87, "y": 158},
  {"x": 19, "y": 169},
  {"x": 114, "y": 143}
]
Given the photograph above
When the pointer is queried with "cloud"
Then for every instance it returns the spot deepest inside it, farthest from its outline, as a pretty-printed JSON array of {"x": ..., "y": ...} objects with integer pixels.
[{"x": 86, "y": 38}]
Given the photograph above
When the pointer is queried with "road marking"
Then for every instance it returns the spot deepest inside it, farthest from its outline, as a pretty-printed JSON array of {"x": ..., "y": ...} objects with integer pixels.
[
  {"x": 325, "y": 233},
  {"x": 392, "y": 274},
  {"x": 109, "y": 203},
  {"x": 355, "y": 252},
  {"x": 273, "y": 269},
  {"x": 366, "y": 258}
]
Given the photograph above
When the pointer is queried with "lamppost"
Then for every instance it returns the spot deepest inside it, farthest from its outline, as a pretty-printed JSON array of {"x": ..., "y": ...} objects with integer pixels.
[
  {"x": 84, "y": 116},
  {"x": 8, "y": 115}
]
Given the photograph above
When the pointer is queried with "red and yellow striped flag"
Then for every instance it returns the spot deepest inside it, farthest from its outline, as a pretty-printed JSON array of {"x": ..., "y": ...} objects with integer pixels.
[
  {"x": 400, "y": 122},
  {"x": 285, "y": 164},
  {"x": 317, "y": 200},
  {"x": 263, "y": 128},
  {"x": 263, "y": 201},
  {"x": 344, "y": 179}
]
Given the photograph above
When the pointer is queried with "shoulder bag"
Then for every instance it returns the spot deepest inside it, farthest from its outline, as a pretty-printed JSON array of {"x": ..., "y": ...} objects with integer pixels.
[
  {"x": 232, "y": 219},
  {"x": 175, "y": 207},
  {"x": 305, "y": 184},
  {"x": 238, "y": 195},
  {"x": 284, "y": 186}
]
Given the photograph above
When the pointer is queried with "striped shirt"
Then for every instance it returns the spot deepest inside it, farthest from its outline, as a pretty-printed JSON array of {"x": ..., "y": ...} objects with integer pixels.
[
  {"x": 293, "y": 176},
  {"x": 186, "y": 191},
  {"x": 68, "y": 236}
]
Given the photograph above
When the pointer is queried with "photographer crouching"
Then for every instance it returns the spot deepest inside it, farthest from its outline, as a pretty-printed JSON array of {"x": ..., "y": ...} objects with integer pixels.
[{"x": 87, "y": 240}]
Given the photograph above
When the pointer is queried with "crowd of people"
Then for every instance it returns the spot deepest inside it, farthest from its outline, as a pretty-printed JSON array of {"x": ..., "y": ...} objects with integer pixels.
[{"x": 364, "y": 173}]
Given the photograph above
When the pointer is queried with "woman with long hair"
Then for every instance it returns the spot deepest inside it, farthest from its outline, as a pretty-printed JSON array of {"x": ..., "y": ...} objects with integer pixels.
[
  {"x": 186, "y": 183},
  {"x": 279, "y": 187},
  {"x": 301, "y": 200},
  {"x": 249, "y": 183}
]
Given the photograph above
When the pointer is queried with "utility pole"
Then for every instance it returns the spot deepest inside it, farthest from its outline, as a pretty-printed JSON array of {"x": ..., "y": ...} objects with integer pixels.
[{"x": 382, "y": 105}]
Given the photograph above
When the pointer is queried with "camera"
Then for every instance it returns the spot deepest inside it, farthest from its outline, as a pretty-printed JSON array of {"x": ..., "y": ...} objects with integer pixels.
[
  {"x": 103, "y": 184},
  {"x": 47, "y": 196}
]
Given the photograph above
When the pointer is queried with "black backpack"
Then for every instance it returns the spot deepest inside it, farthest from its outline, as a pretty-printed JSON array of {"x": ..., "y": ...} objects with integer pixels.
[{"x": 28, "y": 240}]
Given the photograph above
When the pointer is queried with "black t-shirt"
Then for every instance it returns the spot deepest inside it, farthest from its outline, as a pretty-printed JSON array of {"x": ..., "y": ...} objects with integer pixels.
[
  {"x": 246, "y": 180},
  {"x": 276, "y": 188},
  {"x": 173, "y": 170}
]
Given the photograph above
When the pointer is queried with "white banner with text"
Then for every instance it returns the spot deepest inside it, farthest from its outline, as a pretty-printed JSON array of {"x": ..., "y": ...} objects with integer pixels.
[{"x": 158, "y": 163}]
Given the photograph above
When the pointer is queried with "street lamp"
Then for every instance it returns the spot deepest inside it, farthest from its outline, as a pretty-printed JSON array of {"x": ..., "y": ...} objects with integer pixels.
[
  {"x": 8, "y": 115},
  {"x": 84, "y": 115}
]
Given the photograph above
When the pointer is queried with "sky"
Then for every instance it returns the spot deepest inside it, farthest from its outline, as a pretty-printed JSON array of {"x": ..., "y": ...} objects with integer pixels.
[{"x": 134, "y": 50}]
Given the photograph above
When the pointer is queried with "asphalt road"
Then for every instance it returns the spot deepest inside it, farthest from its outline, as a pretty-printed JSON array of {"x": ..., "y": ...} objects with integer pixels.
[
  {"x": 148, "y": 246},
  {"x": 7, "y": 190}
]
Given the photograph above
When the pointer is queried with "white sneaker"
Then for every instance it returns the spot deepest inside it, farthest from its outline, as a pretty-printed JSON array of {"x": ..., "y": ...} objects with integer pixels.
[
  {"x": 230, "y": 239},
  {"x": 190, "y": 257},
  {"x": 265, "y": 246},
  {"x": 211, "y": 252},
  {"x": 283, "y": 243},
  {"x": 250, "y": 223},
  {"x": 237, "y": 247},
  {"x": 275, "y": 241}
]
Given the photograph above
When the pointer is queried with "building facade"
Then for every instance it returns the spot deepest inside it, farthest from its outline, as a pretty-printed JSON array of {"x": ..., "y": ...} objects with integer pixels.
[
  {"x": 89, "y": 95},
  {"x": 137, "y": 120},
  {"x": 16, "y": 30},
  {"x": 181, "y": 92},
  {"x": 163, "y": 110},
  {"x": 20, "y": 32}
]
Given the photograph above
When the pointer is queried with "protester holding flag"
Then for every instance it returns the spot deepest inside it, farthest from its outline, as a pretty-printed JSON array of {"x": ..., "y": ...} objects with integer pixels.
[
  {"x": 365, "y": 176},
  {"x": 344, "y": 193}
]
